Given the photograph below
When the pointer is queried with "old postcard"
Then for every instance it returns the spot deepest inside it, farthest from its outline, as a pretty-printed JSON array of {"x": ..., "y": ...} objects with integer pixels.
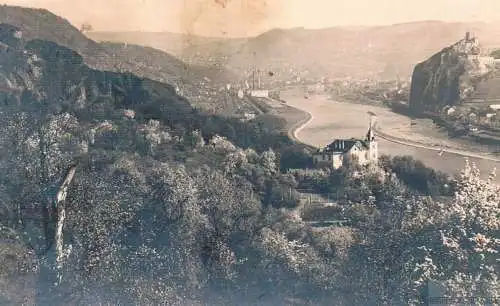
[{"x": 249, "y": 152}]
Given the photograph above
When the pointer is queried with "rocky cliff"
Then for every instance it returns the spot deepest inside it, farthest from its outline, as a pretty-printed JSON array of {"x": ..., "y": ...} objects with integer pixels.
[
  {"x": 449, "y": 76},
  {"x": 41, "y": 74},
  {"x": 149, "y": 63}
]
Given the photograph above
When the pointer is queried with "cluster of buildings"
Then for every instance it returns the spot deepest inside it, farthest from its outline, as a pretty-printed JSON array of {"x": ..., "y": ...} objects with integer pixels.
[
  {"x": 363, "y": 151},
  {"x": 470, "y": 47},
  {"x": 481, "y": 104}
]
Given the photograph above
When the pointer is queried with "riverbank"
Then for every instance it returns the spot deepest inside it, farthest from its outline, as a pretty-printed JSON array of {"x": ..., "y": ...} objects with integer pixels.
[
  {"x": 443, "y": 148},
  {"x": 432, "y": 131},
  {"x": 434, "y": 147},
  {"x": 295, "y": 128},
  {"x": 329, "y": 120},
  {"x": 295, "y": 118}
]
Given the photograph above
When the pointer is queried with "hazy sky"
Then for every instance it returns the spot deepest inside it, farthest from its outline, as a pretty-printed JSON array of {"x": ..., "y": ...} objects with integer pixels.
[{"x": 250, "y": 17}]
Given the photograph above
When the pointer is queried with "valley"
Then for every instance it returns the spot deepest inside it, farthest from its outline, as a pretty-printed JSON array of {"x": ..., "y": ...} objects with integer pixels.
[{"x": 169, "y": 169}]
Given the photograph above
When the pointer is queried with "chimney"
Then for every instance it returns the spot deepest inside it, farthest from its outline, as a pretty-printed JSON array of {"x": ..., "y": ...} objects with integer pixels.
[
  {"x": 258, "y": 75},
  {"x": 467, "y": 36}
]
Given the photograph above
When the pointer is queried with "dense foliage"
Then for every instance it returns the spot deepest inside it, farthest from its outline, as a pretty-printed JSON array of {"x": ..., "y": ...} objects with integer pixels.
[
  {"x": 156, "y": 216},
  {"x": 169, "y": 206}
]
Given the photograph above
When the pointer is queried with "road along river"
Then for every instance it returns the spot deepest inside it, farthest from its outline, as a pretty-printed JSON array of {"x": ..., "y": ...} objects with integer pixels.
[{"x": 329, "y": 120}]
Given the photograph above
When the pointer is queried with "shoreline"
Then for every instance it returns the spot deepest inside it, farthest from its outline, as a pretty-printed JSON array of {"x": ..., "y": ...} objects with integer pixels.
[
  {"x": 397, "y": 140},
  {"x": 472, "y": 147},
  {"x": 297, "y": 127}
]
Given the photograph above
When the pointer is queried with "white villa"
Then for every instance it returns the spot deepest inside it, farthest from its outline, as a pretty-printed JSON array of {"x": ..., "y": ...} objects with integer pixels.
[{"x": 364, "y": 151}]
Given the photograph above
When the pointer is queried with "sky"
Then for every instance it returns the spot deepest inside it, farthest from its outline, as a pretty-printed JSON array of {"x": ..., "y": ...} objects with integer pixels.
[{"x": 251, "y": 17}]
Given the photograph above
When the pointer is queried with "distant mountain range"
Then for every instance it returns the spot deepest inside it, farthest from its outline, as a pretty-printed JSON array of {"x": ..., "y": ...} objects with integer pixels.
[{"x": 381, "y": 52}]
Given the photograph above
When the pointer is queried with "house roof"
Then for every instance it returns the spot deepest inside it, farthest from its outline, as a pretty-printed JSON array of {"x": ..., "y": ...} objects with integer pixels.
[{"x": 344, "y": 145}]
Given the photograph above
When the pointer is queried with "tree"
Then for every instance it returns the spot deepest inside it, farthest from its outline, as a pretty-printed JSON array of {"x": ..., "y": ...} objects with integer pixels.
[
  {"x": 294, "y": 265},
  {"x": 180, "y": 219},
  {"x": 41, "y": 147},
  {"x": 101, "y": 211},
  {"x": 469, "y": 238},
  {"x": 458, "y": 240},
  {"x": 269, "y": 162}
]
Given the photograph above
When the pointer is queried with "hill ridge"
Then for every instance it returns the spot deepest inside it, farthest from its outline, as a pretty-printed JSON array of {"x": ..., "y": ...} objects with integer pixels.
[
  {"x": 146, "y": 63},
  {"x": 311, "y": 54}
]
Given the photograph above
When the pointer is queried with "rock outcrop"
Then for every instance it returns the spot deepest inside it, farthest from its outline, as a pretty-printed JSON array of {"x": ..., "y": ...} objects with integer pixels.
[
  {"x": 449, "y": 77},
  {"x": 143, "y": 62},
  {"x": 37, "y": 73}
]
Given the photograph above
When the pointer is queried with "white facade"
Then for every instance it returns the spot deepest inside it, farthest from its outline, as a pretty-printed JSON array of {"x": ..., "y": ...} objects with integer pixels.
[
  {"x": 248, "y": 116},
  {"x": 335, "y": 159},
  {"x": 362, "y": 154},
  {"x": 363, "y": 151},
  {"x": 373, "y": 151},
  {"x": 259, "y": 93}
]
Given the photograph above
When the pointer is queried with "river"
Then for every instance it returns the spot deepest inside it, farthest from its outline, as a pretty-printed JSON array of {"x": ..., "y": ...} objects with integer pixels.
[{"x": 330, "y": 120}]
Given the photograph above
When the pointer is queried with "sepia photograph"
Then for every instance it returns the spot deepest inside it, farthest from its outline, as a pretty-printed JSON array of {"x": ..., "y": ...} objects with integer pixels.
[{"x": 249, "y": 152}]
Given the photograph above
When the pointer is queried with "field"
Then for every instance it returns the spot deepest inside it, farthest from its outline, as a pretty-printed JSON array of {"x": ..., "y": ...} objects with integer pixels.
[
  {"x": 291, "y": 115},
  {"x": 344, "y": 120}
]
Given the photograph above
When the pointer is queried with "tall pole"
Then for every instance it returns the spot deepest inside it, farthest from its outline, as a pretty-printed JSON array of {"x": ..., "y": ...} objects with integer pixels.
[
  {"x": 253, "y": 79},
  {"x": 258, "y": 78},
  {"x": 253, "y": 72}
]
